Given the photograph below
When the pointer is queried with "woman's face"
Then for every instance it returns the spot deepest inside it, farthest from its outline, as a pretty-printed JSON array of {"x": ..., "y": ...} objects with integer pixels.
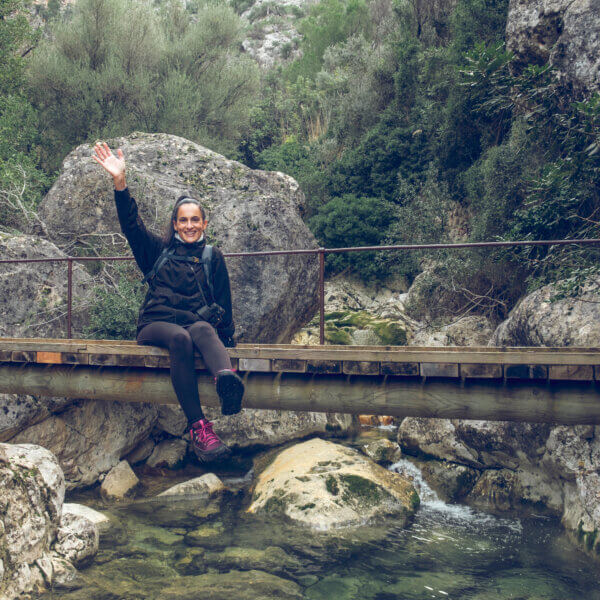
[{"x": 189, "y": 223}]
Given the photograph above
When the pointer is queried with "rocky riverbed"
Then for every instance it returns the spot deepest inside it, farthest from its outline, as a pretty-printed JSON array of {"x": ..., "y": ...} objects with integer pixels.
[{"x": 177, "y": 546}]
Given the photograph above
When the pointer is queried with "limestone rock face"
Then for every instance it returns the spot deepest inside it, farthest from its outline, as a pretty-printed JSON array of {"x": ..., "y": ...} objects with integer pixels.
[
  {"x": 80, "y": 510},
  {"x": 119, "y": 482},
  {"x": 263, "y": 428},
  {"x": 91, "y": 437},
  {"x": 564, "y": 32},
  {"x": 31, "y": 501},
  {"x": 248, "y": 211},
  {"x": 325, "y": 485},
  {"x": 33, "y": 295},
  {"x": 542, "y": 319},
  {"x": 272, "y": 37}
]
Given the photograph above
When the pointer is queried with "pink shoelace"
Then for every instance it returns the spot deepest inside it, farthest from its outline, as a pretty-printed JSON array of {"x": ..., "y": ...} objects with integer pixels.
[{"x": 202, "y": 434}]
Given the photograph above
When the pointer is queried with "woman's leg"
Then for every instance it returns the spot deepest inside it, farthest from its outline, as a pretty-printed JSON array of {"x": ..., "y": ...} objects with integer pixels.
[
  {"x": 211, "y": 348},
  {"x": 230, "y": 387},
  {"x": 181, "y": 351}
]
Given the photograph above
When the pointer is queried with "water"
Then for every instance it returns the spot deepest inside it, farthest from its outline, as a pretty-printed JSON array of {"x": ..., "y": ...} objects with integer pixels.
[{"x": 181, "y": 549}]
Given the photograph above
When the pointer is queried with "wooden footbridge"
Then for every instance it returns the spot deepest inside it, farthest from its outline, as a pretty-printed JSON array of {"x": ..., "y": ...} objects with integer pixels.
[{"x": 556, "y": 385}]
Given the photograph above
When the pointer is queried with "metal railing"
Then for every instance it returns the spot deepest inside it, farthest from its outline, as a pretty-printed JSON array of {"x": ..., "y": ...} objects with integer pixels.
[{"x": 320, "y": 252}]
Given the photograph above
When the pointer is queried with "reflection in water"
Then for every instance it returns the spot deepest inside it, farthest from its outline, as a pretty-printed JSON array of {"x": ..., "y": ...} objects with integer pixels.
[{"x": 191, "y": 548}]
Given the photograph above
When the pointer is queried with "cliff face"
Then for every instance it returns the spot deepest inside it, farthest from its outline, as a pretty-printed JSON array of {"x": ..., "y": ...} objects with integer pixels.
[{"x": 564, "y": 32}]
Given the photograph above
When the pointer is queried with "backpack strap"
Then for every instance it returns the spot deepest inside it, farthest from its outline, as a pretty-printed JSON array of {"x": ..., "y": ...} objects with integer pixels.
[
  {"x": 206, "y": 263},
  {"x": 160, "y": 261}
]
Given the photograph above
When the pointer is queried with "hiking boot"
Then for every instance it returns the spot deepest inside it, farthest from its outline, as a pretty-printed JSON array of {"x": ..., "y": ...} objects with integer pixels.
[
  {"x": 230, "y": 389},
  {"x": 206, "y": 443}
]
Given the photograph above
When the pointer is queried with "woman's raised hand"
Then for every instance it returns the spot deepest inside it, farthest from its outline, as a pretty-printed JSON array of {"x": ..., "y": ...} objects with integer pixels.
[{"x": 115, "y": 165}]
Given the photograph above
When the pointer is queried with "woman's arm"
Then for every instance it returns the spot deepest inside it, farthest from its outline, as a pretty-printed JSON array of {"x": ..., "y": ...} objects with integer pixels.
[
  {"x": 145, "y": 245},
  {"x": 222, "y": 288}
]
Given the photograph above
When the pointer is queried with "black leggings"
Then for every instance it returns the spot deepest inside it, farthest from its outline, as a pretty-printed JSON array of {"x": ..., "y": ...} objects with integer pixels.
[{"x": 180, "y": 342}]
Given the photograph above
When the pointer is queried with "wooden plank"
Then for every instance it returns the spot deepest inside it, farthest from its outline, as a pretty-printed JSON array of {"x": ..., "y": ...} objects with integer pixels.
[
  {"x": 439, "y": 369},
  {"x": 323, "y": 366},
  {"x": 107, "y": 360},
  {"x": 5, "y": 355},
  {"x": 157, "y": 362},
  {"x": 572, "y": 372},
  {"x": 129, "y": 360},
  {"x": 360, "y": 367},
  {"x": 289, "y": 365},
  {"x": 254, "y": 364},
  {"x": 526, "y": 372},
  {"x": 23, "y": 356},
  {"x": 480, "y": 371},
  {"x": 400, "y": 368},
  {"x": 75, "y": 358},
  {"x": 49, "y": 357}
]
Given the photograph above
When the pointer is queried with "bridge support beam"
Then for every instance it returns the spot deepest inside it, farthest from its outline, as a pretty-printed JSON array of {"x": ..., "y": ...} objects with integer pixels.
[{"x": 557, "y": 402}]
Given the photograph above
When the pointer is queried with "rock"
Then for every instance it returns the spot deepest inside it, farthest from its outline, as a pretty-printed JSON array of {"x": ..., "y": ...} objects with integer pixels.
[
  {"x": 120, "y": 482},
  {"x": 249, "y": 210},
  {"x": 101, "y": 521},
  {"x": 33, "y": 295},
  {"x": 33, "y": 489},
  {"x": 562, "y": 32},
  {"x": 356, "y": 314},
  {"x": 259, "y": 428},
  {"x": 77, "y": 538},
  {"x": 451, "y": 482},
  {"x": 250, "y": 585},
  {"x": 326, "y": 485},
  {"x": 435, "y": 437},
  {"x": 475, "y": 330},
  {"x": 171, "y": 419},
  {"x": 383, "y": 451},
  {"x": 64, "y": 575},
  {"x": 169, "y": 454},
  {"x": 141, "y": 452},
  {"x": 271, "y": 559},
  {"x": 272, "y": 37},
  {"x": 212, "y": 535},
  {"x": 17, "y": 412},
  {"x": 90, "y": 437},
  {"x": 544, "y": 319},
  {"x": 208, "y": 485}
]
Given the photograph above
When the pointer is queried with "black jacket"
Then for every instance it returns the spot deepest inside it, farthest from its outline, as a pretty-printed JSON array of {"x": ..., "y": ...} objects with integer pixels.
[{"x": 179, "y": 288}]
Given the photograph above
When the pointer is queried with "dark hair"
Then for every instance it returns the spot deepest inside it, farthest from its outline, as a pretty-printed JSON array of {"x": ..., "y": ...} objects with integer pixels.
[{"x": 183, "y": 199}]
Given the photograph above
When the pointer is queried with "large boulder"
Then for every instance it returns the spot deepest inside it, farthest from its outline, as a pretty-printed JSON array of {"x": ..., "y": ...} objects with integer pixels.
[
  {"x": 325, "y": 485},
  {"x": 547, "y": 318},
  {"x": 90, "y": 437},
  {"x": 33, "y": 296},
  {"x": 33, "y": 489},
  {"x": 264, "y": 428},
  {"x": 249, "y": 211},
  {"x": 565, "y": 33}
]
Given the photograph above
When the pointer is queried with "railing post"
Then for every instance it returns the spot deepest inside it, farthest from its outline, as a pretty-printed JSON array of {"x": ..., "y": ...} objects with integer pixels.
[
  {"x": 69, "y": 294},
  {"x": 321, "y": 296}
]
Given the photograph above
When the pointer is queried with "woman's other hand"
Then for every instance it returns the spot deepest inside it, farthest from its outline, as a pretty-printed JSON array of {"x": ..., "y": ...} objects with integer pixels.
[{"x": 115, "y": 165}]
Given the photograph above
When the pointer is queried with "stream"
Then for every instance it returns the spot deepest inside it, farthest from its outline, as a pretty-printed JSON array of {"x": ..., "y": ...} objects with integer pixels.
[{"x": 188, "y": 548}]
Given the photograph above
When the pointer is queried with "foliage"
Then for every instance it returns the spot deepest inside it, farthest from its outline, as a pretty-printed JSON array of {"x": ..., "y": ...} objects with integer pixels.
[
  {"x": 119, "y": 66},
  {"x": 352, "y": 221},
  {"x": 22, "y": 182},
  {"x": 113, "y": 314}
]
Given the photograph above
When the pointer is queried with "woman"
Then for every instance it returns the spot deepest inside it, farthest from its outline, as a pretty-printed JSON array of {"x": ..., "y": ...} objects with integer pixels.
[{"x": 188, "y": 303}]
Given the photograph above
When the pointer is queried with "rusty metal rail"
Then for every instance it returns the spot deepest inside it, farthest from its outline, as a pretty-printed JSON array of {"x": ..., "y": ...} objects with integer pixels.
[{"x": 320, "y": 252}]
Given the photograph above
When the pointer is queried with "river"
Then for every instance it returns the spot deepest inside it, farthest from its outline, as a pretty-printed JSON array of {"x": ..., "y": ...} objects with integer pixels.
[{"x": 185, "y": 549}]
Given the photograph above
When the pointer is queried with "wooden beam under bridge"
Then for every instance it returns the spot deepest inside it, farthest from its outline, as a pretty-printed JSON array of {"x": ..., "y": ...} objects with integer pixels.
[{"x": 566, "y": 402}]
